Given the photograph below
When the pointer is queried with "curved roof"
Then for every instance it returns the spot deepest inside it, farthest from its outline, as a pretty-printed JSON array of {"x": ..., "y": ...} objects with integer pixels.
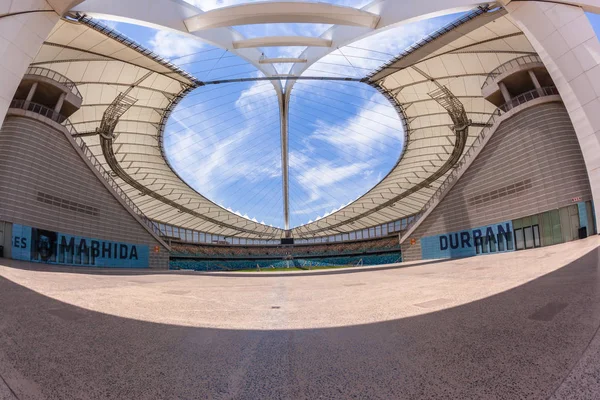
[
  {"x": 435, "y": 86},
  {"x": 459, "y": 58},
  {"x": 104, "y": 64}
]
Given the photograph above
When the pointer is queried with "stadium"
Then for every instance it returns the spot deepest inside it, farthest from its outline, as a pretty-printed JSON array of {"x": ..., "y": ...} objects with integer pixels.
[{"x": 295, "y": 199}]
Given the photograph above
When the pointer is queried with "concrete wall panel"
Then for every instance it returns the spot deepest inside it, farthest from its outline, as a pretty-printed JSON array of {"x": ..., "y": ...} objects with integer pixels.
[
  {"x": 46, "y": 184},
  {"x": 532, "y": 164}
]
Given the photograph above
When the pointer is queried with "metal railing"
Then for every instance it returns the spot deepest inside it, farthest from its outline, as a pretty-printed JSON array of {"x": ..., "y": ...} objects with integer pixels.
[
  {"x": 56, "y": 117},
  {"x": 38, "y": 109},
  {"x": 507, "y": 66},
  {"x": 478, "y": 142},
  {"x": 115, "y": 186},
  {"x": 55, "y": 76},
  {"x": 528, "y": 96}
]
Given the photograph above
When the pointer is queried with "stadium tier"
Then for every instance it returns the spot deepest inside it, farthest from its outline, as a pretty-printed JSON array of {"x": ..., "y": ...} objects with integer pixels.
[
  {"x": 278, "y": 263},
  {"x": 223, "y": 257},
  {"x": 377, "y": 245}
]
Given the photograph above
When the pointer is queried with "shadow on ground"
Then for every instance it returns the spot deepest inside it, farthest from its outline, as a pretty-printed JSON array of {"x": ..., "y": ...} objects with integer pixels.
[{"x": 521, "y": 343}]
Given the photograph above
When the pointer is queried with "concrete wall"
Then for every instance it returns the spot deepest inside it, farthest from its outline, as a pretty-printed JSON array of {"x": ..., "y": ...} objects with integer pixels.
[
  {"x": 532, "y": 164},
  {"x": 46, "y": 184}
]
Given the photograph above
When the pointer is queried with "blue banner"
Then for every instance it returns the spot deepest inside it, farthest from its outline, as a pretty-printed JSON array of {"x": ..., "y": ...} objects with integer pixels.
[
  {"x": 39, "y": 245},
  {"x": 482, "y": 240}
]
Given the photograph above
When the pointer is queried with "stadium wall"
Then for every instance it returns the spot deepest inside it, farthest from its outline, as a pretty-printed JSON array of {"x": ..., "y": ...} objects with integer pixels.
[
  {"x": 531, "y": 165},
  {"x": 48, "y": 185}
]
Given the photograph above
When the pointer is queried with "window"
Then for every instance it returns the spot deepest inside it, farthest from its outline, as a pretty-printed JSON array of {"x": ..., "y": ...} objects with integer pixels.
[
  {"x": 536, "y": 236},
  {"x": 492, "y": 240},
  {"x": 478, "y": 244},
  {"x": 519, "y": 239},
  {"x": 501, "y": 238}
]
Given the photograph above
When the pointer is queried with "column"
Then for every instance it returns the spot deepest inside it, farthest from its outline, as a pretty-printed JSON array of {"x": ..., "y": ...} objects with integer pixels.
[
  {"x": 534, "y": 79},
  {"x": 567, "y": 44},
  {"x": 31, "y": 92},
  {"x": 505, "y": 92},
  {"x": 21, "y": 36},
  {"x": 60, "y": 102}
]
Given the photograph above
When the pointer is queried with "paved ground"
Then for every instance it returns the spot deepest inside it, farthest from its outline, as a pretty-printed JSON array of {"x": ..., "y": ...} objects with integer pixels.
[{"x": 508, "y": 326}]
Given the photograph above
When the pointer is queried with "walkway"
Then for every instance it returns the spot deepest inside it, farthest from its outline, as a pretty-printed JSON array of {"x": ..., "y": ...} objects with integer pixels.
[{"x": 504, "y": 326}]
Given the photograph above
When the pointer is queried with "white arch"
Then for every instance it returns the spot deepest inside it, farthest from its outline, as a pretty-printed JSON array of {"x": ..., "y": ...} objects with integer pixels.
[
  {"x": 282, "y": 12},
  {"x": 277, "y": 41}
]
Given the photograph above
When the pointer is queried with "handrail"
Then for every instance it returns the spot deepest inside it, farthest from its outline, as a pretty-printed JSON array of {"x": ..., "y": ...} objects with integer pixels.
[
  {"x": 456, "y": 172},
  {"x": 38, "y": 109},
  {"x": 515, "y": 62},
  {"x": 55, "y": 76},
  {"x": 56, "y": 117},
  {"x": 116, "y": 187},
  {"x": 528, "y": 96}
]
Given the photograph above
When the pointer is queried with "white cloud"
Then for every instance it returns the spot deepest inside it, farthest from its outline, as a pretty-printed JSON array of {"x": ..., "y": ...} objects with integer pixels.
[
  {"x": 170, "y": 44},
  {"x": 318, "y": 176},
  {"x": 252, "y": 98},
  {"x": 370, "y": 131},
  {"x": 363, "y": 56}
]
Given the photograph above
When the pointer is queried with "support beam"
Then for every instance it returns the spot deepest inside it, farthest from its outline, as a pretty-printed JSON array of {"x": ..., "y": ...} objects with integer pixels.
[
  {"x": 282, "y": 60},
  {"x": 282, "y": 12},
  {"x": 31, "y": 93},
  {"x": 505, "y": 92},
  {"x": 283, "y": 115},
  {"x": 60, "y": 102},
  {"x": 170, "y": 15},
  {"x": 534, "y": 79},
  {"x": 281, "y": 41}
]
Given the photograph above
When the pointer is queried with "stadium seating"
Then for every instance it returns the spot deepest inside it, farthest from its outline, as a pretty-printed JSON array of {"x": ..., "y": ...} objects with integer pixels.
[
  {"x": 221, "y": 251},
  {"x": 301, "y": 263}
]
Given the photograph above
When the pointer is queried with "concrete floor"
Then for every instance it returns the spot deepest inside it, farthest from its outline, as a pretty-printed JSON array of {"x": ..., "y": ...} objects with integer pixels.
[{"x": 504, "y": 326}]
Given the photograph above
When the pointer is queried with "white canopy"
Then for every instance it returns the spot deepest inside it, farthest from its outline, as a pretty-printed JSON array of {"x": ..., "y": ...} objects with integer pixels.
[{"x": 104, "y": 64}]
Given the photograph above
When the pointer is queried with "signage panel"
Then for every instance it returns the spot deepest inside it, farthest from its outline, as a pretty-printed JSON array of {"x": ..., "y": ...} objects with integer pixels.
[
  {"x": 481, "y": 240},
  {"x": 39, "y": 245}
]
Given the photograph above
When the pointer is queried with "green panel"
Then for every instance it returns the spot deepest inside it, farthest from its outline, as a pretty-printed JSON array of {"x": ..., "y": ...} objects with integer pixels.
[
  {"x": 590, "y": 217},
  {"x": 556, "y": 231},
  {"x": 535, "y": 220},
  {"x": 546, "y": 227},
  {"x": 518, "y": 223},
  {"x": 527, "y": 221}
]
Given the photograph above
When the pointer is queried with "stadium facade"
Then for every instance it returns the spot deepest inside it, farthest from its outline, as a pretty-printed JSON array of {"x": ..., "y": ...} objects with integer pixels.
[{"x": 500, "y": 112}]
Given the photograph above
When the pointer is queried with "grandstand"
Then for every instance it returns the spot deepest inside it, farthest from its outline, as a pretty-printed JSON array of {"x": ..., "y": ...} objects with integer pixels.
[{"x": 229, "y": 258}]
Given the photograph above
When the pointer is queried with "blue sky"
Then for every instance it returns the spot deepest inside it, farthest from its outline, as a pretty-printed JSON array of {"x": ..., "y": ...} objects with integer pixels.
[{"x": 224, "y": 140}]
